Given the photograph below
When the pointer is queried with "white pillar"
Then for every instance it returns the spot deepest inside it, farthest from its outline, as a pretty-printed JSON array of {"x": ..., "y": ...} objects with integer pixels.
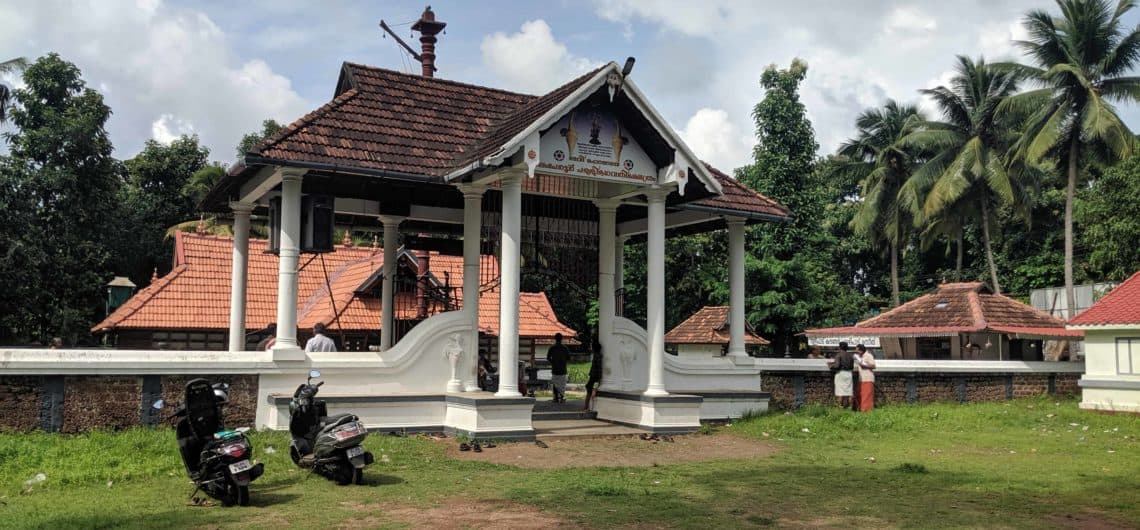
[
  {"x": 736, "y": 287},
  {"x": 285, "y": 348},
  {"x": 607, "y": 210},
  {"x": 655, "y": 292},
  {"x": 238, "y": 273},
  {"x": 619, "y": 269},
  {"x": 388, "y": 292},
  {"x": 472, "y": 230},
  {"x": 509, "y": 288}
]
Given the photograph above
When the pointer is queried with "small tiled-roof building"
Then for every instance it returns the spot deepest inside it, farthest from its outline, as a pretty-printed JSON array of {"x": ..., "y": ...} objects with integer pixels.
[
  {"x": 1112, "y": 349},
  {"x": 959, "y": 321},
  {"x": 188, "y": 308},
  {"x": 707, "y": 333}
]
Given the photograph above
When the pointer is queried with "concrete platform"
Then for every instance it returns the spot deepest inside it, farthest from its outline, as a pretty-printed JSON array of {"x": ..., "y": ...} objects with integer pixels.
[{"x": 581, "y": 428}]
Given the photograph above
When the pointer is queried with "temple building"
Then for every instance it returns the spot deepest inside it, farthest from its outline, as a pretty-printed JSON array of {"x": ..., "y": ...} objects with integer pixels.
[
  {"x": 706, "y": 333},
  {"x": 553, "y": 184},
  {"x": 1111, "y": 326},
  {"x": 961, "y": 321}
]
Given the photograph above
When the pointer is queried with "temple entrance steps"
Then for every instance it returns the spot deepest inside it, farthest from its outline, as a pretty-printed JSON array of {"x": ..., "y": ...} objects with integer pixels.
[
  {"x": 546, "y": 410},
  {"x": 568, "y": 420}
]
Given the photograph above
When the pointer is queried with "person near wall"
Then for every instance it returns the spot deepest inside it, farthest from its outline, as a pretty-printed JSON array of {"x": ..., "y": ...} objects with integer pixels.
[
  {"x": 866, "y": 363},
  {"x": 595, "y": 375},
  {"x": 56, "y": 343},
  {"x": 269, "y": 339},
  {"x": 320, "y": 342},
  {"x": 843, "y": 364},
  {"x": 558, "y": 355}
]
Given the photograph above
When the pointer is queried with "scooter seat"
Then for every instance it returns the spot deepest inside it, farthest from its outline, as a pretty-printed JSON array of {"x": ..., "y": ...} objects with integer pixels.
[{"x": 334, "y": 420}]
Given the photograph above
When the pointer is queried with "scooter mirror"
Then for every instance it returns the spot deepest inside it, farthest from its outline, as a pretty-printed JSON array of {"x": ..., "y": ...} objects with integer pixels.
[
  {"x": 159, "y": 404},
  {"x": 313, "y": 374}
]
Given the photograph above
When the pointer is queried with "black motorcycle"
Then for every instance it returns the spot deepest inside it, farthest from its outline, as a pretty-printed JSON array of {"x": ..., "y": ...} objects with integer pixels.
[
  {"x": 329, "y": 445},
  {"x": 217, "y": 460}
]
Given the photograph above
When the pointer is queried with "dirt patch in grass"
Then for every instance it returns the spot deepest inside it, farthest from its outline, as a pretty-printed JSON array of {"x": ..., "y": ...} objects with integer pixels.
[
  {"x": 462, "y": 512},
  {"x": 589, "y": 452},
  {"x": 1087, "y": 520}
]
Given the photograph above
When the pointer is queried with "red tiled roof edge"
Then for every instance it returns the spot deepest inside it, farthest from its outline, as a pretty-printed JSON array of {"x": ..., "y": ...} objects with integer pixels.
[
  {"x": 1114, "y": 308},
  {"x": 138, "y": 300},
  {"x": 728, "y": 180}
]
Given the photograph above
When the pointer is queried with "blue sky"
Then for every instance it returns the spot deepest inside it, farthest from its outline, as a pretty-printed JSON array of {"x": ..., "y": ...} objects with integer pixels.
[{"x": 217, "y": 68}]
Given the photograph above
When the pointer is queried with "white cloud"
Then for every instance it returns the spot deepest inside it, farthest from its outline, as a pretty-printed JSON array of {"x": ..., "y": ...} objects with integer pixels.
[
  {"x": 531, "y": 60},
  {"x": 167, "y": 128},
  {"x": 717, "y": 140},
  {"x": 859, "y": 54},
  {"x": 163, "y": 61}
]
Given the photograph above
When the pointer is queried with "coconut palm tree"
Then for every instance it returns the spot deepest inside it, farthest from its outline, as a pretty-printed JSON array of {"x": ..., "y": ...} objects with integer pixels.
[
  {"x": 1082, "y": 61},
  {"x": 967, "y": 165},
  {"x": 878, "y": 159},
  {"x": 7, "y": 67}
]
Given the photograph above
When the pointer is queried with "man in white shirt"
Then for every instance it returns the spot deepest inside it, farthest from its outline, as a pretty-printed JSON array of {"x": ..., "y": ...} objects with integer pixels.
[{"x": 320, "y": 342}]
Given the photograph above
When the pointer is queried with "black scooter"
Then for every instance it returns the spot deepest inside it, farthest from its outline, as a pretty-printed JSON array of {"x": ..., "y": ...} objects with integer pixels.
[
  {"x": 217, "y": 460},
  {"x": 329, "y": 445}
]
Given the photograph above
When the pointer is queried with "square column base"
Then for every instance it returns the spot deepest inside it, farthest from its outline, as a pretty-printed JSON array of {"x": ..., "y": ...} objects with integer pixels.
[
  {"x": 483, "y": 416},
  {"x": 291, "y": 353},
  {"x": 670, "y": 414}
]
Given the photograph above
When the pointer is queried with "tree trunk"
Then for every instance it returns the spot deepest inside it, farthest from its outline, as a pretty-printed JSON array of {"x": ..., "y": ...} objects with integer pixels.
[
  {"x": 989, "y": 249},
  {"x": 894, "y": 275},
  {"x": 1070, "y": 292},
  {"x": 958, "y": 262}
]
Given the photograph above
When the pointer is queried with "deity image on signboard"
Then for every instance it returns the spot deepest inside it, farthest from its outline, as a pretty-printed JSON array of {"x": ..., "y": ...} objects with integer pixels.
[
  {"x": 570, "y": 134},
  {"x": 592, "y": 142}
]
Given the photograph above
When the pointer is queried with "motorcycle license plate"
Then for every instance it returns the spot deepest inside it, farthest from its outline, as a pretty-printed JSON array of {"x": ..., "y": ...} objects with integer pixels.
[
  {"x": 240, "y": 467},
  {"x": 354, "y": 452}
]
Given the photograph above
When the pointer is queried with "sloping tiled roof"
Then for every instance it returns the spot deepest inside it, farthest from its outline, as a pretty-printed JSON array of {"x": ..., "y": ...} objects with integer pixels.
[
  {"x": 395, "y": 122},
  {"x": 195, "y": 294},
  {"x": 956, "y": 308},
  {"x": 738, "y": 197},
  {"x": 1120, "y": 307},
  {"x": 709, "y": 326},
  {"x": 404, "y": 123}
]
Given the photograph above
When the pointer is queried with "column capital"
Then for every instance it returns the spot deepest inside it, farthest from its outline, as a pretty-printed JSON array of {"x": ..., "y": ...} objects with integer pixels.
[
  {"x": 734, "y": 221},
  {"x": 393, "y": 220},
  {"x": 242, "y": 208},
  {"x": 657, "y": 194},
  {"x": 608, "y": 205},
  {"x": 621, "y": 239},
  {"x": 472, "y": 191},
  {"x": 291, "y": 173}
]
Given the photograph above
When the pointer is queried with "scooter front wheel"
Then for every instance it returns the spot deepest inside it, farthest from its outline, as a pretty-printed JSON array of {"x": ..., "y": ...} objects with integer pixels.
[{"x": 357, "y": 476}]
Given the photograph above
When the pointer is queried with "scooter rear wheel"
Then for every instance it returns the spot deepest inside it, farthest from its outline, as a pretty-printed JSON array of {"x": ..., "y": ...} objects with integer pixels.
[
  {"x": 235, "y": 494},
  {"x": 357, "y": 476}
]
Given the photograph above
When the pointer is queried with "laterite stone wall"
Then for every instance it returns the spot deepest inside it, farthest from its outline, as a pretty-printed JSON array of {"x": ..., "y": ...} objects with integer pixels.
[
  {"x": 73, "y": 404},
  {"x": 792, "y": 389}
]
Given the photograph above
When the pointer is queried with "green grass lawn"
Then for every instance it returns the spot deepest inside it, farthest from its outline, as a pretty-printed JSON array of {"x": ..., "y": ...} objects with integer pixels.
[{"x": 1020, "y": 464}]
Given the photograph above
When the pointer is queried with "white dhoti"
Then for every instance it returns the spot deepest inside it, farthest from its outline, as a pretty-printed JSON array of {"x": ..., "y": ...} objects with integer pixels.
[{"x": 843, "y": 384}]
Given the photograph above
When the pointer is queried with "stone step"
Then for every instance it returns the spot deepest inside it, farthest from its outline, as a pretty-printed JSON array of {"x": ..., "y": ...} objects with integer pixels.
[
  {"x": 547, "y": 429},
  {"x": 562, "y": 415}
]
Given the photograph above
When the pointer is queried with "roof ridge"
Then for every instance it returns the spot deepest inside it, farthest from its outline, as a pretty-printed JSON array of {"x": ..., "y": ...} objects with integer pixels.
[
  {"x": 301, "y": 122},
  {"x": 880, "y": 316},
  {"x": 976, "y": 310},
  {"x": 437, "y": 79}
]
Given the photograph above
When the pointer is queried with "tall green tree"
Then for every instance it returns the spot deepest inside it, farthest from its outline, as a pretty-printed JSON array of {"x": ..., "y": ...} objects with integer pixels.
[
  {"x": 154, "y": 199},
  {"x": 967, "y": 172},
  {"x": 877, "y": 156},
  {"x": 251, "y": 140},
  {"x": 7, "y": 67},
  {"x": 1109, "y": 211},
  {"x": 792, "y": 284},
  {"x": 61, "y": 178},
  {"x": 1082, "y": 60}
]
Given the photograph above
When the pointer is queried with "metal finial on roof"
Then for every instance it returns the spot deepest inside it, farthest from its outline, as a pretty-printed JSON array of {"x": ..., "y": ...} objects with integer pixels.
[
  {"x": 154, "y": 275},
  {"x": 201, "y": 230},
  {"x": 375, "y": 241},
  {"x": 347, "y": 239}
]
